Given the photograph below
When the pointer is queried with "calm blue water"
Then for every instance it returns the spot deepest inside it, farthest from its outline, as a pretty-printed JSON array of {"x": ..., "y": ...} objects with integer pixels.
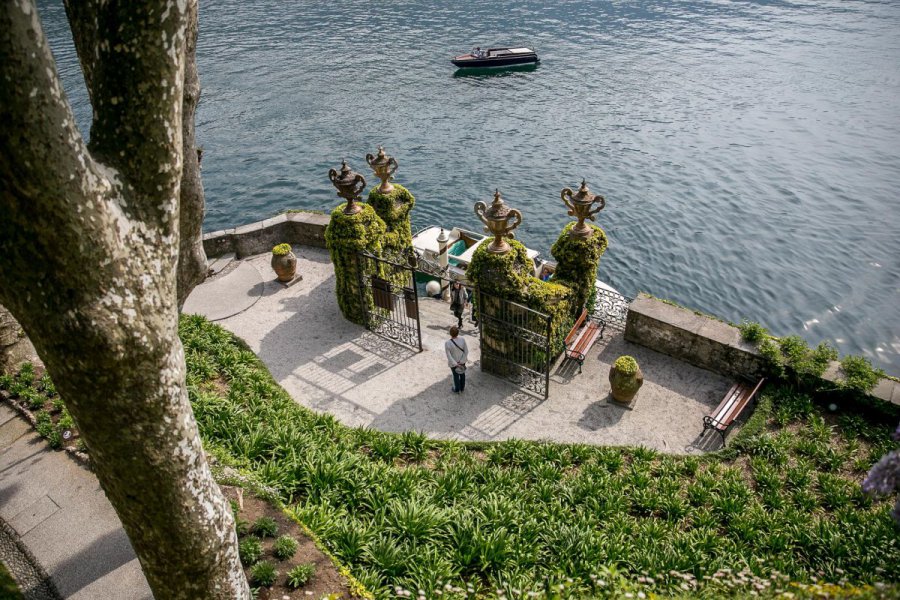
[{"x": 748, "y": 150}]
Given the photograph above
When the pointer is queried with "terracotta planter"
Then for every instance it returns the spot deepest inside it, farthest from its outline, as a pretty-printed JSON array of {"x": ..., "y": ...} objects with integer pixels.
[
  {"x": 285, "y": 266},
  {"x": 624, "y": 386}
]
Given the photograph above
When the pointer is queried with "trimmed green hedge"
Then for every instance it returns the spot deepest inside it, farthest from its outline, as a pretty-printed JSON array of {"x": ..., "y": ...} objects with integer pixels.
[
  {"x": 394, "y": 209},
  {"x": 345, "y": 236},
  {"x": 509, "y": 276},
  {"x": 578, "y": 260}
]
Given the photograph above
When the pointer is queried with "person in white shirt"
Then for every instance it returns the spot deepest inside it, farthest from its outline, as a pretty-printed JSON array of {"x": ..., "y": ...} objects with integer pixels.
[{"x": 457, "y": 354}]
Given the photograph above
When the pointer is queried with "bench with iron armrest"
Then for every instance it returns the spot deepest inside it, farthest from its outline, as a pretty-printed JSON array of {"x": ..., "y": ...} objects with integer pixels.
[
  {"x": 730, "y": 407},
  {"x": 581, "y": 337}
]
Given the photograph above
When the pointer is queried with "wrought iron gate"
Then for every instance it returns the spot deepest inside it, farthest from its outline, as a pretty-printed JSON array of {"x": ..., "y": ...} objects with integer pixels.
[
  {"x": 515, "y": 342},
  {"x": 388, "y": 294},
  {"x": 610, "y": 309}
]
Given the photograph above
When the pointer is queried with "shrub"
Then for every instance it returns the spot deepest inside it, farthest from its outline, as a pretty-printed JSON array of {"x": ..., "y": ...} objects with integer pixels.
[
  {"x": 281, "y": 249},
  {"x": 6, "y": 381},
  {"x": 263, "y": 573},
  {"x": 285, "y": 547},
  {"x": 265, "y": 527},
  {"x": 752, "y": 332},
  {"x": 250, "y": 549},
  {"x": 858, "y": 374},
  {"x": 26, "y": 374},
  {"x": 626, "y": 365},
  {"x": 299, "y": 575}
]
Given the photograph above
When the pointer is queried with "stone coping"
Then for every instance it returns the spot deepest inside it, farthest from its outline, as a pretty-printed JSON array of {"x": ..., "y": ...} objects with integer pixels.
[
  {"x": 301, "y": 228},
  {"x": 712, "y": 344}
]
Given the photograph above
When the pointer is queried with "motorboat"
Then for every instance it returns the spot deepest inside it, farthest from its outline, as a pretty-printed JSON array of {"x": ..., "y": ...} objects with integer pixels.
[{"x": 496, "y": 57}]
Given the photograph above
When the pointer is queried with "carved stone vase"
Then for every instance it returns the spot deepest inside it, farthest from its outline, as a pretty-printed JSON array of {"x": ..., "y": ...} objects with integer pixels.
[
  {"x": 285, "y": 266},
  {"x": 625, "y": 384}
]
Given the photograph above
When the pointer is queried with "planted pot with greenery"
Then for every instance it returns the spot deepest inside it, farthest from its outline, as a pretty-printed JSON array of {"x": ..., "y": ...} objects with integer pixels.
[
  {"x": 284, "y": 262},
  {"x": 625, "y": 379}
]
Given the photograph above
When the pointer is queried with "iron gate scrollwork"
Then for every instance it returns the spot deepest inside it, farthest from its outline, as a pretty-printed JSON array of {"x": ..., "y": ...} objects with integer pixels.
[
  {"x": 388, "y": 293},
  {"x": 610, "y": 308},
  {"x": 515, "y": 342}
]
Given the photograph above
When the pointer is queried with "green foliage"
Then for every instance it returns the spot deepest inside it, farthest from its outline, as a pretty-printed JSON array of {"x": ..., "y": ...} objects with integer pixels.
[
  {"x": 394, "y": 209},
  {"x": 6, "y": 381},
  {"x": 752, "y": 332},
  {"x": 509, "y": 276},
  {"x": 263, "y": 573},
  {"x": 285, "y": 547},
  {"x": 345, "y": 236},
  {"x": 299, "y": 575},
  {"x": 249, "y": 549},
  {"x": 577, "y": 263},
  {"x": 858, "y": 374},
  {"x": 626, "y": 365},
  {"x": 504, "y": 275},
  {"x": 26, "y": 374},
  {"x": 281, "y": 250},
  {"x": 527, "y": 515},
  {"x": 265, "y": 527}
]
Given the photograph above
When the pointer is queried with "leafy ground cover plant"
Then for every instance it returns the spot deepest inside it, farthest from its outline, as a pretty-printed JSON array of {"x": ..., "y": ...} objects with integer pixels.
[
  {"x": 514, "y": 517},
  {"x": 263, "y": 573},
  {"x": 33, "y": 390},
  {"x": 285, "y": 547},
  {"x": 299, "y": 575}
]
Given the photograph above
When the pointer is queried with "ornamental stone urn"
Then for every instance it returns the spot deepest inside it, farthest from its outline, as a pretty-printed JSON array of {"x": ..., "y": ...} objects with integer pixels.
[
  {"x": 284, "y": 262},
  {"x": 625, "y": 379}
]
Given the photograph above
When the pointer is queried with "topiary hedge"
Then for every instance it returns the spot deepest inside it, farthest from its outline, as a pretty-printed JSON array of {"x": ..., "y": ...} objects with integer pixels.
[
  {"x": 503, "y": 275},
  {"x": 345, "y": 237},
  {"x": 394, "y": 209},
  {"x": 578, "y": 260},
  {"x": 510, "y": 276}
]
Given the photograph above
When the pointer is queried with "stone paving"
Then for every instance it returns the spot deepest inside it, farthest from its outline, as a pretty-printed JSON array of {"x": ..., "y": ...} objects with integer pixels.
[
  {"x": 57, "y": 510},
  {"x": 331, "y": 365}
]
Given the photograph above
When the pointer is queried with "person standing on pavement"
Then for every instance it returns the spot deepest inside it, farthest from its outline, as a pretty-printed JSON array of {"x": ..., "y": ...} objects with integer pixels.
[
  {"x": 459, "y": 298},
  {"x": 457, "y": 354}
]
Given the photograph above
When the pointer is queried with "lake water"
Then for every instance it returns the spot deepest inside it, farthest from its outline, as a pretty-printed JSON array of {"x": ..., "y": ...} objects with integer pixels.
[{"x": 749, "y": 151}]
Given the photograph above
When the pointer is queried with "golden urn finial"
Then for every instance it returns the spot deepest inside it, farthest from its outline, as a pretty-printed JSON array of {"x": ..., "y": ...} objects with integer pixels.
[
  {"x": 349, "y": 187},
  {"x": 579, "y": 205},
  {"x": 500, "y": 220},
  {"x": 384, "y": 167}
]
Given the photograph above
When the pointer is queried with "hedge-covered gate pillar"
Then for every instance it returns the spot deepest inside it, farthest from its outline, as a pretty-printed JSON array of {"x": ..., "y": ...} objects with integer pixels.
[
  {"x": 522, "y": 319},
  {"x": 579, "y": 247},
  {"x": 393, "y": 203},
  {"x": 354, "y": 228}
]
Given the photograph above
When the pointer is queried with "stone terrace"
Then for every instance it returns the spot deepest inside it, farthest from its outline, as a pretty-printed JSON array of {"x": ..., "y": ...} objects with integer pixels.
[{"x": 331, "y": 365}]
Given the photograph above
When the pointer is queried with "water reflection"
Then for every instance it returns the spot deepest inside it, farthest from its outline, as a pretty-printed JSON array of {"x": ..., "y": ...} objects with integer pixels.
[{"x": 489, "y": 72}]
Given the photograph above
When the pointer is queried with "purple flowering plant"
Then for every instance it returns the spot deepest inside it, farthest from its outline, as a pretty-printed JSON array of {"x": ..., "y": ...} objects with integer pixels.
[{"x": 884, "y": 477}]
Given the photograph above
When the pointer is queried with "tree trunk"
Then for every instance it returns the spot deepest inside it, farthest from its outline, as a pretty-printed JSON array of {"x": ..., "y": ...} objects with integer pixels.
[
  {"x": 89, "y": 244},
  {"x": 191, "y": 256}
]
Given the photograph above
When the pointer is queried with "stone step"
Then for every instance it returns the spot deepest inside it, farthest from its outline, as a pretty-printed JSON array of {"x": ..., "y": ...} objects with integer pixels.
[{"x": 217, "y": 264}]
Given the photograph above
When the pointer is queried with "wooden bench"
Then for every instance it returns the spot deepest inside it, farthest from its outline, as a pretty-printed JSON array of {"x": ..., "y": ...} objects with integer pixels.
[
  {"x": 730, "y": 407},
  {"x": 580, "y": 339}
]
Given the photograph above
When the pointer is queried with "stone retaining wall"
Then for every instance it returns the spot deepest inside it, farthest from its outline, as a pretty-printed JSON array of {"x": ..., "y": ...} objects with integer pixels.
[
  {"x": 710, "y": 344},
  {"x": 694, "y": 338},
  {"x": 300, "y": 228}
]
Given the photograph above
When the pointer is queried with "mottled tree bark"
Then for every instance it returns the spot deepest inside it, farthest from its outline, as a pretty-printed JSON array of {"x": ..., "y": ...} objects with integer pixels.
[
  {"x": 191, "y": 256},
  {"x": 89, "y": 244}
]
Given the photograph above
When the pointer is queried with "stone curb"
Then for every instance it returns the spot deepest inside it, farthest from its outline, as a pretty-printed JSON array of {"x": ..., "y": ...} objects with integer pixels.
[
  {"x": 32, "y": 579},
  {"x": 80, "y": 457}
]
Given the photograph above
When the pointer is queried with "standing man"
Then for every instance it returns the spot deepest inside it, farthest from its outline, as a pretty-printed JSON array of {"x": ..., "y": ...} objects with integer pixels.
[
  {"x": 457, "y": 354},
  {"x": 459, "y": 298}
]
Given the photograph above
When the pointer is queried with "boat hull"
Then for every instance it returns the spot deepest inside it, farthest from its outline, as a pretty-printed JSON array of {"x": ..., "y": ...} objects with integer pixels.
[{"x": 487, "y": 63}]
